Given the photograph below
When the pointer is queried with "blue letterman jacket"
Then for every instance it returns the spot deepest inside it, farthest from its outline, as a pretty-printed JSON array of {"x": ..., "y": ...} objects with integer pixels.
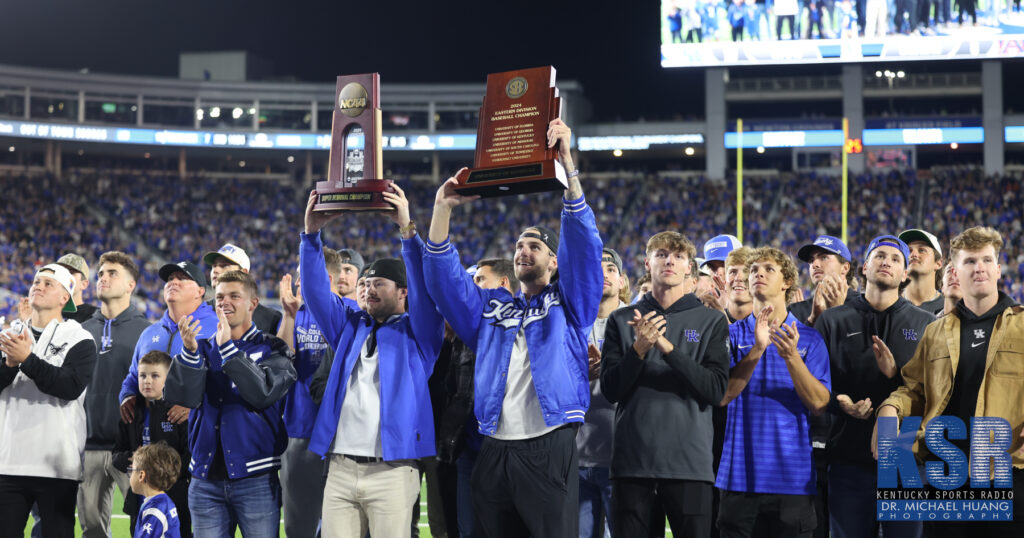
[
  {"x": 236, "y": 392},
  {"x": 557, "y": 322}
]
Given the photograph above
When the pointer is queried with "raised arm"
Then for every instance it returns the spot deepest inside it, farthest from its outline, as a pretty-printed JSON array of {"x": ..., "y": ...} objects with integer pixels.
[
  {"x": 327, "y": 308},
  {"x": 458, "y": 299},
  {"x": 561, "y": 135},
  {"x": 579, "y": 247},
  {"x": 427, "y": 323}
]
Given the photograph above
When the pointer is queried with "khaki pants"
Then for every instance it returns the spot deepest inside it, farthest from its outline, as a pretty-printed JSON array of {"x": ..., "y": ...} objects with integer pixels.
[
  {"x": 374, "y": 496},
  {"x": 96, "y": 491}
]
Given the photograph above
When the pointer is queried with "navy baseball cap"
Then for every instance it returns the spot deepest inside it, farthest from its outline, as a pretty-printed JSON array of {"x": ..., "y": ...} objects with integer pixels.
[
  {"x": 717, "y": 248},
  {"x": 187, "y": 267},
  {"x": 889, "y": 241},
  {"x": 827, "y": 243}
]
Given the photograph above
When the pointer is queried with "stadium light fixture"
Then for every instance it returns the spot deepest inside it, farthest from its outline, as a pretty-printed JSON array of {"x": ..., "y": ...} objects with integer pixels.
[
  {"x": 617, "y": 153},
  {"x": 252, "y": 111},
  {"x": 689, "y": 152},
  {"x": 11, "y": 149},
  {"x": 954, "y": 145},
  {"x": 878, "y": 74},
  {"x": 760, "y": 149},
  {"x": 199, "y": 114},
  {"x": 236, "y": 113},
  {"x": 291, "y": 158},
  {"x": 215, "y": 112},
  {"x": 241, "y": 164},
  {"x": 900, "y": 74}
]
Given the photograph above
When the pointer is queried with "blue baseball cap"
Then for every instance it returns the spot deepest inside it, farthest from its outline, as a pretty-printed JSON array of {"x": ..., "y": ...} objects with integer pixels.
[
  {"x": 827, "y": 243},
  {"x": 889, "y": 241},
  {"x": 718, "y": 248}
]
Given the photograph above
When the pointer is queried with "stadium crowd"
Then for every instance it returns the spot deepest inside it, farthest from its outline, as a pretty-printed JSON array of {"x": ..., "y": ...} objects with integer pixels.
[{"x": 497, "y": 349}]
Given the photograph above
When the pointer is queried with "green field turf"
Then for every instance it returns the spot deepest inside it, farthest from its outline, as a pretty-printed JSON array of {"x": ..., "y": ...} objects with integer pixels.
[{"x": 119, "y": 521}]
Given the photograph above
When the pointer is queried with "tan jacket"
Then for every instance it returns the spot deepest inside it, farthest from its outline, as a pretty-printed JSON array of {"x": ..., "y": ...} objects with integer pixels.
[{"x": 928, "y": 377}]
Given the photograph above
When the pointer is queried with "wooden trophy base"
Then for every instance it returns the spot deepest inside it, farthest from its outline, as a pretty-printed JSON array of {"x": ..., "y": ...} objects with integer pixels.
[
  {"x": 366, "y": 195},
  {"x": 508, "y": 180}
]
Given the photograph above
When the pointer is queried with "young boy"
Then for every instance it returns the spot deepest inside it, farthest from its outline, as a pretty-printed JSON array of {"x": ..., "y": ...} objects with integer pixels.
[
  {"x": 154, "y": 470},
  {"x": 150, "y": 426}
]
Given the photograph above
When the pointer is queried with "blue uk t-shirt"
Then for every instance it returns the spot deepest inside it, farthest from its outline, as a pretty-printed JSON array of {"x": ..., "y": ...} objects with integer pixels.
[
  {"x": 158, "y": 518},
  {"x": 767, "y": 434}
]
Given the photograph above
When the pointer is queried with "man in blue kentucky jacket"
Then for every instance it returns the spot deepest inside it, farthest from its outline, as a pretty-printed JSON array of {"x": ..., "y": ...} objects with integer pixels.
[
  {"x": 235, "y": 383},
  {"x": 375, "y": 418},
  {"x": 531, "y": 380}
]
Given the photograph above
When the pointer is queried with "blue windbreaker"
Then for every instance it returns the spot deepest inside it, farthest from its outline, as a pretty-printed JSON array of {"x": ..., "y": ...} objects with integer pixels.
[
  {"x": 557, "y": 322},
  {"x": 163, "y": 336},
  {"x": 407, "y": 345}
]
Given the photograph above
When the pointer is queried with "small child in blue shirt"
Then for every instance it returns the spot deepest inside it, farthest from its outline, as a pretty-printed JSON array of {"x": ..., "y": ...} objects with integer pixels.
[{"x": 154, "y": 470}]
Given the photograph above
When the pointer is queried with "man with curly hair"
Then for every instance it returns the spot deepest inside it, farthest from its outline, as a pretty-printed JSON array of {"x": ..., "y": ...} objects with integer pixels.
[{"x": 779, "y": 377}]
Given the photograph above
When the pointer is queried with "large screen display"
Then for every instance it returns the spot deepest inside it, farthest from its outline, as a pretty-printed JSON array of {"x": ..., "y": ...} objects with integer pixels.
[{"x": 701, "y": 33}]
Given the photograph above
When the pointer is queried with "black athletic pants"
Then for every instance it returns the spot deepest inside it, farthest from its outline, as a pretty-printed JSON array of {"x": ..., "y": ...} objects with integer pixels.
[
  {"x": 529, "y": 487},
  {"x": 55, "y": 497},
  {"x": 744, "y": 515},
  {"x": 687, "y": 503}
]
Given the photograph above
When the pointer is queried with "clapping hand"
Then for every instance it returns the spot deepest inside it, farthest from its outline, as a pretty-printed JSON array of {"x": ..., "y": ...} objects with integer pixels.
[
  {"x": 649, "y": 328},
  {"x": 289, "y": 300},
  {"x": 886, "y": 362},
  {"x": 189, "y": 330}
]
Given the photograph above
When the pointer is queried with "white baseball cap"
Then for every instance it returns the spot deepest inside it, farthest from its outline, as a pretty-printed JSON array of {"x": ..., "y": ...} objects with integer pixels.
[
  {"x": 64, "y": 278},
  {"x": 917, "y": 234},
  {"x": 231, "y": 252}
]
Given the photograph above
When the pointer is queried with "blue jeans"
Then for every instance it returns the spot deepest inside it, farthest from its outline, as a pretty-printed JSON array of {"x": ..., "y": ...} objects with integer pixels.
[
  {"x": 464, "y": 492},
  {"x": 253, "y": 504},
  {"x": 595, "y": 498},
  {"x": 851, "y": 505}
]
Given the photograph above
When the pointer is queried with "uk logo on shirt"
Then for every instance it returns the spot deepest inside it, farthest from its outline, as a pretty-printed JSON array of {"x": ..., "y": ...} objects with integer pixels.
[
  {"x": 979, "y": 334},
  {"x": 910, "y": 335},
  {"x": 691, "y": 335}
]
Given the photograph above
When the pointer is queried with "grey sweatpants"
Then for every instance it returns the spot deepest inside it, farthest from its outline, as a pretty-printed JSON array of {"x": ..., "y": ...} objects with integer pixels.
[{"x": 302, "y": 485}]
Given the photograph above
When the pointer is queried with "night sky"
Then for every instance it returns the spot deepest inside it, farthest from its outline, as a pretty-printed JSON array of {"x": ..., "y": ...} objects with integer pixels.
[{"x": 610, "y": 47}]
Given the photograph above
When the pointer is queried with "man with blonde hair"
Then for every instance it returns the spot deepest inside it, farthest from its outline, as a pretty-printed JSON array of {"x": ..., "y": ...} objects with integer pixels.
[
  {"x": 968, "y": 364},
  {"x": 738, "y": 303},
  {"x": 665, "y": 363},
  {"x": 766, "y": 475}
]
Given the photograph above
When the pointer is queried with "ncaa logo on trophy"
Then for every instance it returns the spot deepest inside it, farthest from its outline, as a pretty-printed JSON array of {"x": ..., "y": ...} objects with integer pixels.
[{"x": 355, "y": 166}]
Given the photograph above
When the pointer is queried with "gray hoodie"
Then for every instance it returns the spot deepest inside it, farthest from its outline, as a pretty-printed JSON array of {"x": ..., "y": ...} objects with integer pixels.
[
  {"x": 663, "y": 425},
  {"x": 115, "y": 345}
]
